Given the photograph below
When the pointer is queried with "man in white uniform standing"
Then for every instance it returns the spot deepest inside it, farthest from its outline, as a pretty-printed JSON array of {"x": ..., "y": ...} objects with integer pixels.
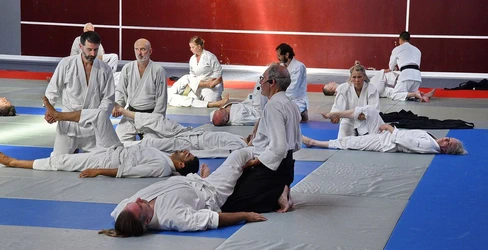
[
  {"x": 111, "y": 59},
  {"x": 297, "y": 90},
  {"x": 278, "y": 135},
  {"x": 142, "y": 88},
  {"x": 85, "y": 82},
  {"x": 407, "y": 57}
]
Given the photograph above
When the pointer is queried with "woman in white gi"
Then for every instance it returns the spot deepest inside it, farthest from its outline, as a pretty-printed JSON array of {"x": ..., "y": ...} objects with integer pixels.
[
  {"x": 203, "y": 86},
  {"x": 383, "y": 137},
  {"x": 357, "y": 92},
  {"x": 180, "y": 203}
]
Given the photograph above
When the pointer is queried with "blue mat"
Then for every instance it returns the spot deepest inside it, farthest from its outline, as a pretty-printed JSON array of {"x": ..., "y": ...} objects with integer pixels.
[
  {"x": 31, "y": 110},
  {"x": 448, "y": 209},
  {"x": 25, "y": 152}
]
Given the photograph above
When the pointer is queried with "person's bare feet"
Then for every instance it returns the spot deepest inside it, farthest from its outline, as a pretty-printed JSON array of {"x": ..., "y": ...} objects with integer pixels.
[
  {"x": 309, "y": 142},
  {"x": 430, "y": 93},
  {"x": 285, "y": 201},
  {"x": 50, "y": 109},
  {"x": 224, "y": 100},
  {"x": 5, "y": 160},
  {"x": 48, "y": 79},
  {"x": 204, "y": 171}
]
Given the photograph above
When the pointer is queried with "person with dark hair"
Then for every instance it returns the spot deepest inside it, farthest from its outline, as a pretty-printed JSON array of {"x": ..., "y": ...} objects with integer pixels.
[
  {"x": 6, "y": 107},
  {"x": 278, "y": 135},
  {"x": 203, "y": 87},
  {"x": 84, "y": 82},
  {"x": 382, "y": 137},
  {"x": 142, "y": 87},
  {"x": 297, "y": 90},
  {"x": 184, "y": 203},
  {"x": 356, "y": 92},
  {"x": 168, "y": 136},
  {"x": 407, "y": 57},
  {"x": 111, "y": 59}
]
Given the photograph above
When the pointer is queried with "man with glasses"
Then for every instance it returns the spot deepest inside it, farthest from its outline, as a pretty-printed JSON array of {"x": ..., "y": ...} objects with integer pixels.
[{"x": 278, "y": 135}]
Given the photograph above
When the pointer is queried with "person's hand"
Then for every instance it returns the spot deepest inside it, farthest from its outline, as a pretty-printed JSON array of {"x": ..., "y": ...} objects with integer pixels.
[
  {"x": 386, "y": 126},
  {"x": 387, "y": 70},
  {"x": 116, "y": 111},
  {"x": 49, "y": 118},
  {"x": 335, "y": 120},
  {"x": 89, "y": 173},
  {"x": 204, "y": 171},
  {"x": 251, "y": 163},
  {"x": 361, "y": 117},
  {"x": 254, "y": 217}
]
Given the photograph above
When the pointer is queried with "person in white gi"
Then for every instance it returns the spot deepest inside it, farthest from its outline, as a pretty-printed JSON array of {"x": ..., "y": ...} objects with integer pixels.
[
  {"x": 297, "y": 90},
  {"x": 278, "y": 135},
  {"x": 142, "y": 87},
  {"x": 407, "y": 57},
  {"x": 111, "y": 59},
  {"x": 356, "y": 92},
  {"x": 382, "y": 137},
  {"x": 381, "y": 80},
  {"x": 84, "y": 82},
  {"x": 203, "y": 87},
  {"x": 111, "y": 158},
  {"x": 168, "y": 136},
  {"x": 245, "y": 113},
  {"x": 184, "y": 203}
]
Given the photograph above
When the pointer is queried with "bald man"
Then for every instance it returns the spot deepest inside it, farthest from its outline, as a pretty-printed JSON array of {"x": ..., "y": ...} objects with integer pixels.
[
  {"x": 142, "y": 88},
  {"x": 111, "y": 59}
]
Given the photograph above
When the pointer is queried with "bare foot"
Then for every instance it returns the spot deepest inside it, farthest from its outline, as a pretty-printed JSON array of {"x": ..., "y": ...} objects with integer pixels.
[
  {"x": 5, "y": 160},
  {"x": 285, "y": 201},
  {"x": 204, "y": 171},
  {"x": 48, "y": 79},
  {"x": 224, "y": 100},
  {"x": 309, "y": 142},
  {"x": 430, "y": 93},
  {"x": 425, "y": 98},
  {"x": 50, "y": 109}
]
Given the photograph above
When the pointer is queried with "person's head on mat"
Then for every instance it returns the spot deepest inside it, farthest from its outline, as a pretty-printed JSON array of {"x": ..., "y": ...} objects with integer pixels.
[
  {"x": 89, "y": 44},
  {"x": 358, "y": 75},
  {"x": 6, "y": 108},
  {"x": 451, "y": 146},
  {"x": 197, "y": 44},
  {"x": 329, "y": 89},
  {"x": 133, "y": 220},
  {"x": 185, "y": 162},
  {"x": 285, "y": 53},
  {"x": 220, "y": 117}
]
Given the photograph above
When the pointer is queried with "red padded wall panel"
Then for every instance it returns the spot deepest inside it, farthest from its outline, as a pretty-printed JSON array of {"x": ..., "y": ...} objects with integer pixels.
[
  {"x": 347, "y": 16},
  {"x": 95, "y": 11}
]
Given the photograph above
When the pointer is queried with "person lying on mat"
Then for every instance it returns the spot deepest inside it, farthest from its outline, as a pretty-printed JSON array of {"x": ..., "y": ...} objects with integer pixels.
[
  {"x": 381, "y": 137},
  {"x": 184, "y": 203},
  {"x": 6, "y": 108},
  {"x": 110, "y": 158}
]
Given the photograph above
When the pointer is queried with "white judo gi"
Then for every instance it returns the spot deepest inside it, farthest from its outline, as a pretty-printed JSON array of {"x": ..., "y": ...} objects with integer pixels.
[
  {"x": 384, "y": 82},
  {"x": 191, "y": 203},
  {"x": 297, "y": 90},
  {"x": 133, "y": 161},
  {"x": 111, "y": 59},
  {"x": 247, "y": 112},
  {"x": 207, "y": 68},
  {"x": 408, "y": 141},
  {"x": 346, "y": 98},
  {"x": 169, "y": 136},
  {"x": 69, "y": 80},
  {"x": 410, "y": 79},
  {"x": 146, "y": 92}
]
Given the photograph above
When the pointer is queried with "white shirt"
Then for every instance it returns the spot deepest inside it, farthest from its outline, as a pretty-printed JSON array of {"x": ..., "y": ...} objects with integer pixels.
[
  {"x": 143, "y": 93},
  {"x": 297, "y": 90},
  {"x": 140, "y": 161},
  {"x": 278, "y": 131},
  {"x": 406, "y": 54},
  {"x": 413, "y": 141},
  {"x": 207, "y": 68}
]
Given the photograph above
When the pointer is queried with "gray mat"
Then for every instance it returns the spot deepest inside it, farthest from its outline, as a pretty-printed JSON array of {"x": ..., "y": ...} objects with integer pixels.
[{"x": 308, "y": 154}]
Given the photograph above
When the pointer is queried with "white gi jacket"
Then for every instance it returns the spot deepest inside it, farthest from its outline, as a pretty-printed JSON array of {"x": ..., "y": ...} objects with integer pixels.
[
  {"x": 143, "y": 93},
  {"x": 69, "y": 79},
  {"x": 297, "y": 90},
  {"x": 406, "y": 54},
  {"x": 278, "y": 131},
  {"x": 346, "y": 98},
  {"x": 384, "y": 81},
  {"x": 207, "y": 68}
]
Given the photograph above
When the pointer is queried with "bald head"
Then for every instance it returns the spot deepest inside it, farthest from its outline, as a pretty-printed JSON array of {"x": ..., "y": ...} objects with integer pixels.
[
  {"x": 142, "y": 50},
  {"x": 220, "y": 117},
  {"x": 88, "y": 27}
]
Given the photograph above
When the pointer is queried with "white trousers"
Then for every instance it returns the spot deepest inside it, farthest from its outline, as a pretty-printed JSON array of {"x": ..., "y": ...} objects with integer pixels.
[
  {"x": 100, "y": 158},
  {"x": 401, "y": 90}
]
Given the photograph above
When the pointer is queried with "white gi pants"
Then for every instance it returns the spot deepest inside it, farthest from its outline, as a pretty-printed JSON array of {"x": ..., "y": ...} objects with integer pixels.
[{"x": 401, "y": 90}]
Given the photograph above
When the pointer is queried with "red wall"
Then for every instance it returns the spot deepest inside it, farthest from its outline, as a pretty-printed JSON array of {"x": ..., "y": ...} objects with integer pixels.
[{"x": 367, "y": 18}]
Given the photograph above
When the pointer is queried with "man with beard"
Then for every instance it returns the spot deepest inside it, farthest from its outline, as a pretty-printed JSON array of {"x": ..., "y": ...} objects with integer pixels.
[
  {"x": 297, "y": 91},
  {"x": 142, "y": 88},
  {"x": 84, "y": 82}
]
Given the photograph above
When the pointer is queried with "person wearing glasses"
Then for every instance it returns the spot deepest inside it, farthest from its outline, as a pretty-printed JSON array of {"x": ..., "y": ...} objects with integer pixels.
[
  {"x": 297, "y": 90},
  {"x": 356, "y": 92},
  {"x": 381, "y": 137},
  {"x": 203, "y": 87},
  {"x": 278, "y": 135}
]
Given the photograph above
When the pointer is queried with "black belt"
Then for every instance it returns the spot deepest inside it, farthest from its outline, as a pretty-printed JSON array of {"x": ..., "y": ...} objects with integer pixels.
[
  {"x": 410, "y": 67},
  {"x": 140, "y": 111}
]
